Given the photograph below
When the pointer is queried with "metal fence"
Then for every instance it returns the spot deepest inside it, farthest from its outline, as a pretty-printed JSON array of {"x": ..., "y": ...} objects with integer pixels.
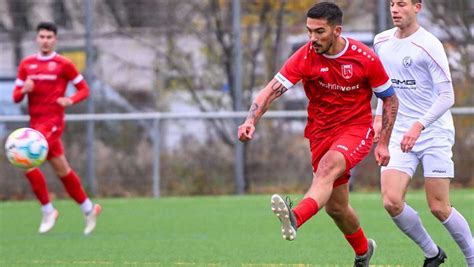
[{"x": 159, "y": 121}]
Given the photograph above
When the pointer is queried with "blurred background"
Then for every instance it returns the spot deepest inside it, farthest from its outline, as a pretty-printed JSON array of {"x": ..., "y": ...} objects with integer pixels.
[{"x": 167, "y": 76}]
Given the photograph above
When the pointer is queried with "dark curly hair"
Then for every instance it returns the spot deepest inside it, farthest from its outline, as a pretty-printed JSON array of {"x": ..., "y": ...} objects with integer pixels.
[{"x": 326, "y": 10}]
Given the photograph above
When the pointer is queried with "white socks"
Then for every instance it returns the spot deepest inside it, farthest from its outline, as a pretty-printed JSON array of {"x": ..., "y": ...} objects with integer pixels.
[
  {"x": 458, "y": 227},
  {"x": 410, "y": 223},
  {"x": 47, "y": 208},
  {"x": 87, "y": 206}
]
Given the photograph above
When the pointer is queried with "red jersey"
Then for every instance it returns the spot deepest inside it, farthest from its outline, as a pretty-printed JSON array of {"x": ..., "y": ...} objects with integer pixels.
[
  {"x": 50, "y": 75},
  {"x": 339, "y": 87}
]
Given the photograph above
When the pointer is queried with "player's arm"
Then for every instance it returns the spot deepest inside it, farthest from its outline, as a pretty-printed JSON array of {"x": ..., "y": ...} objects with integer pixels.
[
  {"x": 377, "y": 125},
  {"x": 260, "y": 105},
  {"x": 81, "y": 94},
  {"x": 80, "y": 84},
  {"x": 389, "y": 109},
  {"x": 438, "y": 68},
  {"x": 23, "y": 85},
  {"x": 389, "y": 114},
  {"x": 443, "y": 102},
  {"x": 383, "y": 89}
]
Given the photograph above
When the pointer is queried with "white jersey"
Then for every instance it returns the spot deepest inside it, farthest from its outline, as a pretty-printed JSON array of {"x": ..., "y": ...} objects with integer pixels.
[{"x": 415, "y": 64}]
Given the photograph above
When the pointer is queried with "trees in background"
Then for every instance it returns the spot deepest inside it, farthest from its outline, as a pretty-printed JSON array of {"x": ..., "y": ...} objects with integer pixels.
[{"x": 189, "y": 51}]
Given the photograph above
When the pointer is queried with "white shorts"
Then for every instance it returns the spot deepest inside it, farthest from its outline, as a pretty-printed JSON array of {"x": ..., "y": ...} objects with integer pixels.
[{"x": 435, "y": 155}]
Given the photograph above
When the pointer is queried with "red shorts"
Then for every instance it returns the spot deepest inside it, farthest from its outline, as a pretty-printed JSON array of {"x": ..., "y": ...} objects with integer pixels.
[
  {"x": 53, "y": 136},
  {"x": 354, "y": 142}
]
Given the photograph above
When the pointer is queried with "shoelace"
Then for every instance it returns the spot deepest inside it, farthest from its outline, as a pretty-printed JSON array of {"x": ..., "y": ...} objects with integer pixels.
[{"x": 289, "y": 202}]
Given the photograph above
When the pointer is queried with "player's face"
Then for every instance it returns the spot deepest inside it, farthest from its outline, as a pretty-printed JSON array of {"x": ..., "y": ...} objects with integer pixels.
[
  {"x": 322, "y": 35},
  {"x": 403, "y": 12},
  {"x": 46, "y": 41}
]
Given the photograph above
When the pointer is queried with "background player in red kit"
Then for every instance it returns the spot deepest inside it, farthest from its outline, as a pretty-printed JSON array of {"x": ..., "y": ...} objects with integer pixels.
[
  {"x": 339, "y": 75},
  {"x": 43, "y": 78}
]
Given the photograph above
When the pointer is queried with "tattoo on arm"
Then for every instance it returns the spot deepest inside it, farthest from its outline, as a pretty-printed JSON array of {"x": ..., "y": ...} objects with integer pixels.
[
  {"x": 278, "y": 89},
  {"x": 253, "y": 111},
  {"x": 390, "y": 108},
  {"x": 256, "y": 111},
  {"x": 263, "y": 101}
]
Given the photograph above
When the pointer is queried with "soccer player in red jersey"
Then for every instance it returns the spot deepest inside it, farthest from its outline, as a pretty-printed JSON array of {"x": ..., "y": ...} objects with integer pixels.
[
  {"x": 339, "y": 75},
  {"x": 43, "y": 78}
]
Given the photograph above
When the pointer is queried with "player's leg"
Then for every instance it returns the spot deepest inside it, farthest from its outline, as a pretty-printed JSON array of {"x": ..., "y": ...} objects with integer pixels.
[
  {"x": 38, "y": 183},
  {"x": 40, "y": 189},
  {"x": 70, "y": 180},
  {"x": 332, "y": 158},
  {"x": 394, "y": 185},
  {"x": 339, "y": 209},
  {"x": 346, "y": 219},
  {"x": 330, "y": 168},
  {"x": 68, "y": 176},
  {"x": 438, "y": 169},
  {"x": 306, "y": 207},
  {"x": 437, "y": 194},
  {"x": 72, "y": 184}
]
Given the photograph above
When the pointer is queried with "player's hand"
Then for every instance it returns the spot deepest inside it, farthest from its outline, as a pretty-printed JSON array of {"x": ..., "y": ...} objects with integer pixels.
[
  {"x": 410, "y": 137},
  {"x": 245, "y": 131},
  {"x": 377, "y": 127},
  {"x": 64, "y": 101},
  {"x": 382, "y": 155},
  {"x": 28, "y": 86}
]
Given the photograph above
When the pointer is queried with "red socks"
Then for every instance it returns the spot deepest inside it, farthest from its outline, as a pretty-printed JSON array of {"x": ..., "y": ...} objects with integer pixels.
[
  {"x": 38, "y": 184},
  {"x": 306, "y": 209},
  {"x": 358, "y": 241},
  {"x": 73, "y": 186},
  {"x": 71, "y": 182}
]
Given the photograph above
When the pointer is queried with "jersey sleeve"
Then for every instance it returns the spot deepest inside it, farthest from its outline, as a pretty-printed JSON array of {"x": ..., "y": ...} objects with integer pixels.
[
  {"x": 292, "y": 71},
  {"x": 19, "y": 82},
  {"x": 378, "y": 77},
  {"x": 376, "y": 44},
  {"x": 73, "y": 75},
  {"x": 443, "y": 102},
  {"x": 438, "y": 64},
  {"x": 381, "y": 38}
]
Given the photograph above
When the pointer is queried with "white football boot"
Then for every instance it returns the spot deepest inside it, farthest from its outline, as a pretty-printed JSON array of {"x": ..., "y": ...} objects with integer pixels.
[
  {"x": 282, "y": 209},
  {"x": 48, "y": 221},
  {"x": 91, "y": 219}
]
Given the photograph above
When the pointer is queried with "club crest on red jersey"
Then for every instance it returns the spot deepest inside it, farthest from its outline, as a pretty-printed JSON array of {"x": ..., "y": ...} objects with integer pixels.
[{"x": 346, "y": 71}]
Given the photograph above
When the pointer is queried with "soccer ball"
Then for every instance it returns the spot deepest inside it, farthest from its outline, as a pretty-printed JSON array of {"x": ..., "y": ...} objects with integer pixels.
[{"x": 26, "y": 148}]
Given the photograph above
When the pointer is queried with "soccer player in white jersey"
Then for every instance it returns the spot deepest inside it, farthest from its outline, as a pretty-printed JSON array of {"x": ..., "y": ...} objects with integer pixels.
[{"x": 418, "y": 67}]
